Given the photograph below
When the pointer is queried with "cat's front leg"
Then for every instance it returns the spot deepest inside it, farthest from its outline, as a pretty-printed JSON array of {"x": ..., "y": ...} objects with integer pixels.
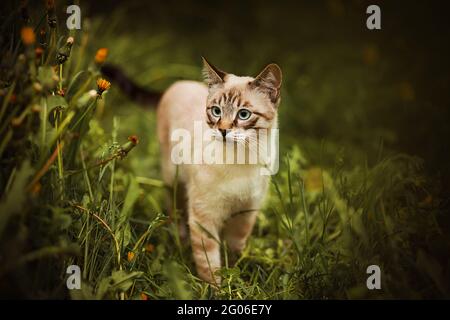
[
  {"x": 205, "y": 245},
  {"x": 237, "y": 229}
]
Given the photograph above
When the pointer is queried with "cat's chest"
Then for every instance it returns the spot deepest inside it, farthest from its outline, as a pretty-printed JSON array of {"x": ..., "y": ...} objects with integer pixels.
[{"x": 235, "y": 184}]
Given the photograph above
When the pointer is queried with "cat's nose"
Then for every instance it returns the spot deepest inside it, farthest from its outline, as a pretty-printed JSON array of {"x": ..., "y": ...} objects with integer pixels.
[{"x": 223, "y": 132}]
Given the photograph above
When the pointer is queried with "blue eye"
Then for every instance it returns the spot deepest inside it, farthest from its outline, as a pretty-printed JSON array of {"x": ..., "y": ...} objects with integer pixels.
[
  {"x": 216, "y": 111},
  {"x": 244, "y": 114}
]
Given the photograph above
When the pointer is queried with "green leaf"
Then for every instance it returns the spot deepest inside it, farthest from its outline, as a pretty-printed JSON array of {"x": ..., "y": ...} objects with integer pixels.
[
  {"x": 119, "y": 281},
  {"x": 123, "y": 234},
  {"x": 56, "y": 101},
  {"x": 12, "y": 203},
  {"x": 76, "y": 83},
  {"x": 130, "y": 199},
  {"x": 47, "y": 77},
  {"x": 177, "y": 284},
  {"x": 85, "y": 292}
]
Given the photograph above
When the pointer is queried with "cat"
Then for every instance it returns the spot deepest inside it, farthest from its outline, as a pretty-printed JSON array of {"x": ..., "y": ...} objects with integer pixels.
[{"x": 222, "y": 200}]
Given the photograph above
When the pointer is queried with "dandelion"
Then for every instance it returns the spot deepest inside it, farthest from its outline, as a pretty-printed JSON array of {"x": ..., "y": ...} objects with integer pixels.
[
  {"x": 102, "y": 85},
  {"x": 38, "y": 52},
  {"x": 28, "y": 36},
  {"x": 130, "y": 256},
  {"x": 127, "y": 146},
  {"x": 144, "y": 296},
  {"x": 101, "y": 55},
  {"x": 134, "y": 139},
  {"x": 64, "y": 51}
]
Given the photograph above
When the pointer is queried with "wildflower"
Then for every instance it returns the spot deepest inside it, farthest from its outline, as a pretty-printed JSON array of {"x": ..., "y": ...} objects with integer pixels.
[
  {"x": 38, "y": 51},
  {"x": 28, "y": 36},
  {"x": 127, "y": 146},
  {"x": 130, "y": 256},
  {"x": 134, "y": 139},
  {"x": 144, "y": 296},
  {"x": 102, "y": 85},
  {"x": 64, "y": 52},
  {"x": 101, "y": 55}
]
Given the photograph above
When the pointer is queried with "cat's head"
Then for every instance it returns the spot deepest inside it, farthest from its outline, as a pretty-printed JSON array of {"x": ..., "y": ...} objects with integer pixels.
[{"x": 238, "y": 106}]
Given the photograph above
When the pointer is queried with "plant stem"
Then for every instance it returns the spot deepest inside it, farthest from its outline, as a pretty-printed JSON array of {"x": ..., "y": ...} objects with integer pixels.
[
  {"x": 60, "y": 159},
  {"x": 60, "y": 77}
]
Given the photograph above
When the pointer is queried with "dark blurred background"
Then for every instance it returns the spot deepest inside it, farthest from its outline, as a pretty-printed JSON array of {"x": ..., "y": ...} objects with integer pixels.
[{"x": 343, "y": 83}]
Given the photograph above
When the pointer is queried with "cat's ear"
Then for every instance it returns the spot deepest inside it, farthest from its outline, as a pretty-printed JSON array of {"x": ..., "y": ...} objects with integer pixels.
[
  {"x": 269, "y": 81},
  {"x": 212, "y": 75}
]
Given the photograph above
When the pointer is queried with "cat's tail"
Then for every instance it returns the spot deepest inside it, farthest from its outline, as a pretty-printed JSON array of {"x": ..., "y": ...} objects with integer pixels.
[{"x": 134, "y": 91}]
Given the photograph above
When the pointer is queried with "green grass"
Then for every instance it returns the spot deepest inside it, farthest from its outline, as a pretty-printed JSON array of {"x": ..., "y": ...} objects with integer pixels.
[{"x": 342, "y": 200}]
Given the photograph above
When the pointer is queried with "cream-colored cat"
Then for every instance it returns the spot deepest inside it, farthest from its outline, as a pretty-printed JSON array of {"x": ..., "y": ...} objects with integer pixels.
[{"x": 222, "y": 199}]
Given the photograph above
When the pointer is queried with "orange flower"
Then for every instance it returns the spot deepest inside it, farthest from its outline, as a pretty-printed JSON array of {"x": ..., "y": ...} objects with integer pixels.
[
  {"x": 101, "y": 55},
  {"x": 39, "y": 51},
  {"x": 130, "y": 256},
  {"x": 149, "y": 248},
  {"x": 144, "y": 296},
  {"x": 28, "y": 36},
  {"x": 102, "y": 85},
  {"x": 134, "y": 139}
]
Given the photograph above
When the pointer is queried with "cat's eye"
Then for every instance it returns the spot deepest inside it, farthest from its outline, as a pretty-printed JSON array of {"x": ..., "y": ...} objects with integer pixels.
[
  {"x": 216, "y": 111},
  {"x": 244, "y": 114}
]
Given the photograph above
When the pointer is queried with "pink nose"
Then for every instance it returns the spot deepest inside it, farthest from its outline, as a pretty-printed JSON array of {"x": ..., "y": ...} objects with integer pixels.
[{"x": 224, "y": 125}]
